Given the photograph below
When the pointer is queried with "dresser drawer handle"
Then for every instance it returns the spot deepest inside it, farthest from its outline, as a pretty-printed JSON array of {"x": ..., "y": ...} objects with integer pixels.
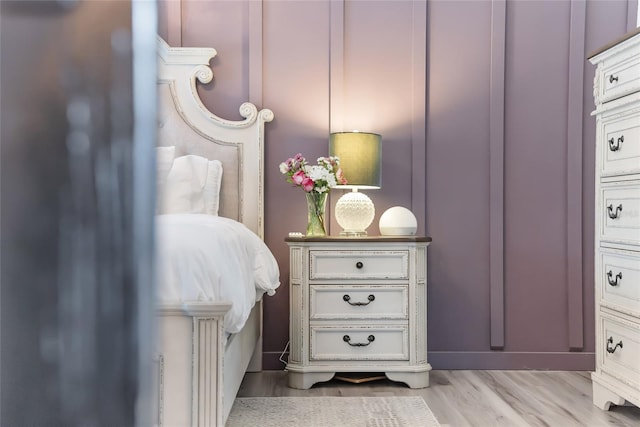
[
  {"x": 613, "y": 78},
  {"x": 359, "y": 265},
  {"x": 347, "y": 299},
  {"x": 347, "y": 339},
  {"x": 617, "y": 146},
  {"x": 610, "y": 276},
  {"x": 614, "y": 348},
  {"x": 612, "y": 214}
]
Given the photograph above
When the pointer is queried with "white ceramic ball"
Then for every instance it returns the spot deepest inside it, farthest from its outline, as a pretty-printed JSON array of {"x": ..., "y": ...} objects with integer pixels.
[{"x": 398, "y": 221}]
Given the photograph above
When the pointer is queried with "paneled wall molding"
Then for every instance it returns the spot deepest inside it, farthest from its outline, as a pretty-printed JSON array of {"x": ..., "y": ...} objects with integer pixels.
[
  {"x": 174, "y": 25},
  {"x": 255, "y": 52},
  {"x": 574, "y": 174},
  {"x": 361, "y": 62},
  {"x": 419, "y": 114},
  {"x": 336, "y": 71},
  {"x": 336, "y": 67},
  {"x": 633, "y": 18},
  {"x": 496, "y": 171},
  {"x": 418, "y": 103}
]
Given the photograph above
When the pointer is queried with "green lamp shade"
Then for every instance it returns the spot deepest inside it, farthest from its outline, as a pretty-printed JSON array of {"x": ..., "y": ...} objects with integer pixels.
[{"x": 360, "y": 155}]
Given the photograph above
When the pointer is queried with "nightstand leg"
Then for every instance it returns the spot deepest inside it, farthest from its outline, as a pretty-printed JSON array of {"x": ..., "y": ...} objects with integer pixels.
[
  {"x": 304, "y": 381},
  {"x": 412, "y": 379},
  {"x": 603, "y": 397}
]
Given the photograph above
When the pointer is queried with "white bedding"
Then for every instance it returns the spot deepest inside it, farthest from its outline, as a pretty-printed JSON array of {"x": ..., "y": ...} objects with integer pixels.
[{"x": 211, "y": 258}]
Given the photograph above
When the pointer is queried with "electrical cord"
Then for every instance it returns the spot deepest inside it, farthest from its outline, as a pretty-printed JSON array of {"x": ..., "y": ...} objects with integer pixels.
[{"x": 281, "y": 358}]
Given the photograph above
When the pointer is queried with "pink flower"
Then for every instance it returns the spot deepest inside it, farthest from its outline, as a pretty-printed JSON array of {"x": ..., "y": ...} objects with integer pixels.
[
  {"x": 307, "y": 184},
  {"x": 319, "y": 178},
  {"x": 340, "y": 177},
  {"x": 298, "y": 177}
]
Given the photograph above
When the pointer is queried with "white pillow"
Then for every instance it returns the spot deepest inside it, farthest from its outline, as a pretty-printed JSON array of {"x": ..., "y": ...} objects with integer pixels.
[
  {"x": 164, "y": 161},
  {"x": 192, "y": 186},
  {"x": 211, "y": 193}
]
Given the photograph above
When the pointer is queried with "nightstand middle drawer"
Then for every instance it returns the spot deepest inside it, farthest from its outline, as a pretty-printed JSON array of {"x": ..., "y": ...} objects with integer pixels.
[
  {"x": 329, "y": 302},
  {"x": 620, "y": 212},
  {"x": 328, "y": 264}
]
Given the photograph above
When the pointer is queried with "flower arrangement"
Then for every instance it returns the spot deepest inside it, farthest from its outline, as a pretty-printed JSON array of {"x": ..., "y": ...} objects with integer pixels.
[
  {"x": 316, "y": 181},
  {"x": 313, "y": 178}
]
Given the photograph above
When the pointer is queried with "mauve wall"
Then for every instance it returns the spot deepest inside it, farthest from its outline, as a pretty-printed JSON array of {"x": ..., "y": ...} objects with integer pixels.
[{"x": 484, "y": 111}]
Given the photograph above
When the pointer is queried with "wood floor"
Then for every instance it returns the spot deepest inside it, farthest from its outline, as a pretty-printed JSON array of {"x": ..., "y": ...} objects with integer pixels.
[{"x": 477, "y": 398}]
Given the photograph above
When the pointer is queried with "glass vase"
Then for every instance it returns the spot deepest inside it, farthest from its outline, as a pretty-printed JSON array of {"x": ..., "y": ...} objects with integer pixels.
[{"x": 315, "y": 219}]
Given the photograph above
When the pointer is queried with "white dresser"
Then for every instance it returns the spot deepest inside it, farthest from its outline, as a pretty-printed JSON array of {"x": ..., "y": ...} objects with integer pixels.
[
  {"x": 358, "y": 305},
  {"x": 617, "y": 218}
]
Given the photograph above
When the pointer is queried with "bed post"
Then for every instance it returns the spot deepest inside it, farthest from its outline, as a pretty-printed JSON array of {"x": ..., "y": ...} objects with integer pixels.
[
  {"x": 190, "y": 383},
  {"x": 185, "y": 123}
]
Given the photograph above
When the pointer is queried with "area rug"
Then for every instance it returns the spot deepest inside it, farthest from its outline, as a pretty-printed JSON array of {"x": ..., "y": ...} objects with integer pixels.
[{"x": 331, "y": 412}]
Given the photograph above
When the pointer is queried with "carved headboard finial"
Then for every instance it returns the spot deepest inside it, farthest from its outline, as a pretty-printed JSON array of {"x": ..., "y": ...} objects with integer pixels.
[{"x": 186, "y": 123}]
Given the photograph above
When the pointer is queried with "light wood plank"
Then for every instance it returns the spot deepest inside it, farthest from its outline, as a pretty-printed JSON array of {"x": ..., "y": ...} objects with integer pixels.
[{"x": 477, "y": 398}]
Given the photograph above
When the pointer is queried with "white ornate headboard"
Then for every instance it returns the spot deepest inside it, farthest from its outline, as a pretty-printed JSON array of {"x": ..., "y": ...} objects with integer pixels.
[{"x": 187, "y": 124}]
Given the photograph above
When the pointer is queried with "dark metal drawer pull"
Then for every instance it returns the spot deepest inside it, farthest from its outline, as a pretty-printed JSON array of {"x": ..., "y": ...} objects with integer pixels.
[
  {"x": 612, "y": 214},
  {"x": 613, "y": 78},
  {"x": 347, "y": 339},
  {"x": 347, "y": 298},
  {"x": 610, "y": 276},
  {"x": 617, "y": 146},
  {"x": 359, "y": 264},
  {"x": 614, "y": 348}
]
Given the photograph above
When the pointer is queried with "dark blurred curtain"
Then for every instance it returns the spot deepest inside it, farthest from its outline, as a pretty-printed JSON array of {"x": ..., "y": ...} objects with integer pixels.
[{"x": 76, "y": 215}]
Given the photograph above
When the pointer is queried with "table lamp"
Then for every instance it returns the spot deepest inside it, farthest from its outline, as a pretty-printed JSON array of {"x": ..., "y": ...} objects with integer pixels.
[{"x": 360, "y": 155}]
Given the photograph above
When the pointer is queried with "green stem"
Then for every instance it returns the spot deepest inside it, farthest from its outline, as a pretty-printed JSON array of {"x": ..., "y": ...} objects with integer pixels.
[{"x": 315, "y": 220}]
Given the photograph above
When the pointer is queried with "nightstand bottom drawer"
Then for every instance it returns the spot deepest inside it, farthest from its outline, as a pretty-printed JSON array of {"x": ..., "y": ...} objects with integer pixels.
[
  {"x": 620, "y": 346},
  {"x": 359, "y": 343}
]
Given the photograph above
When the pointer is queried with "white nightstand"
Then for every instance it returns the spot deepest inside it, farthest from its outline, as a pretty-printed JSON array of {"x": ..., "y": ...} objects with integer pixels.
[
  {"x": 617, "y": 223},
  {"x": 358, "y": 305}
]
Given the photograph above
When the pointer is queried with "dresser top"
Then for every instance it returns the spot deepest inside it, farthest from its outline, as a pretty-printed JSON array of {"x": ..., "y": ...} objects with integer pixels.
[
  {"x": 372, "y": 239},
  {"x": 619, "y": 40}
]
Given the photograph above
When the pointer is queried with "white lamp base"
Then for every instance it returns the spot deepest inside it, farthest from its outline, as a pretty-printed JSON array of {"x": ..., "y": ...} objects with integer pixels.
[{"x": 354, "y": 213}]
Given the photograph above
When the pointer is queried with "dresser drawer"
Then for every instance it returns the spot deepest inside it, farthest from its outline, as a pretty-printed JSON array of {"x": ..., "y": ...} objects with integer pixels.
[
  {"x": 359, "y": 343},
  {"x": 620, "y": 75},
  {"x": 620, "y": 143},
  {"x": 620, "y": 212},
  {"x": 327, "y": 264},
  {"x": 618, "y": 280},
  {"x": 359, "y": 302},
  {"x": 619, "y": 348}
]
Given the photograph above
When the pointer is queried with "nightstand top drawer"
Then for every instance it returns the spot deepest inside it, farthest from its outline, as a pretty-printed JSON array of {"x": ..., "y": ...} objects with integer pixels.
[
  {"x": 618, "y": 73},
  {"x": 341, "y": 265},
  {"x": 620, "y": 78}
]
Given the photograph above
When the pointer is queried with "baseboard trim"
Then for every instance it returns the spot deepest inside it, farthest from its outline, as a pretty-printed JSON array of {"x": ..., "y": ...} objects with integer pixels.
[
  {"x": 508, "y": 360},
  {"x": 486, "y": 360}
]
